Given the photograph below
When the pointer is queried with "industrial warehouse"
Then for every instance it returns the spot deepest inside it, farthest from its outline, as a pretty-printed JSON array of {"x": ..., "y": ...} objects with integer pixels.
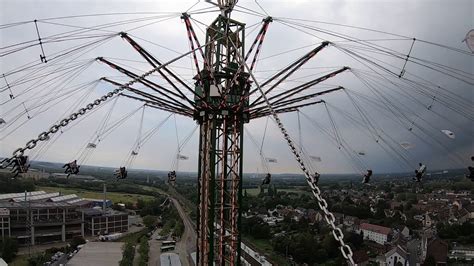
[{"x": 39, "y": 217}]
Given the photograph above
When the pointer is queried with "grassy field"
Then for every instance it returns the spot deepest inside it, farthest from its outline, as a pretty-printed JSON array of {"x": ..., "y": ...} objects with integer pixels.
[
  {"x": 115, "y": 197},
  {"x": 297, "y": 190}
]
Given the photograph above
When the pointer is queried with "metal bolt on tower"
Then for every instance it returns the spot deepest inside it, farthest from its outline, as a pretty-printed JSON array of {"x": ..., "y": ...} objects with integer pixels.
[{"x": 222, "y": 109}]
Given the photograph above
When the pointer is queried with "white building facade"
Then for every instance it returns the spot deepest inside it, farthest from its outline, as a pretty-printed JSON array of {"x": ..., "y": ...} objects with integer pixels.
[{"x": 376, "y": 233}]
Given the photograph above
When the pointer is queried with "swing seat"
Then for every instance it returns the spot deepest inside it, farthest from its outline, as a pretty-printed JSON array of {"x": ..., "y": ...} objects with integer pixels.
[
  {"x": 71, "y": 168},
  {"x": 267, "y": 179},
  {"x": 315, "y": 178},
  {"x": 121, "y": 173},
  {"x": 21, "y": 165},
  {"x": 471, "y": 173}
]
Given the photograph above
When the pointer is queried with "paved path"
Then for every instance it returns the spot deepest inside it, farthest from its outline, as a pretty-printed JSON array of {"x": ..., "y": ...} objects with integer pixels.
[
  {"x": 184, "y": 247},
  {"x": 187, "y": 243},
  {"x": 155, "y": 251}
]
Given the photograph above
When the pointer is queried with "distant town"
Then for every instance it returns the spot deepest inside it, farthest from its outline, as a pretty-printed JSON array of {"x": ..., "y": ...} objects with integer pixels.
[
  {"x": 143, "y": 220},
  {"x": 393, "y": 221}
]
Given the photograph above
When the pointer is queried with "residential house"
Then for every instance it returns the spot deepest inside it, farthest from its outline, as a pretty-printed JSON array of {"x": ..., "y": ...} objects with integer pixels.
[
  {"x": 470, "y": 209},
  {"x": 459, "y": 216},
  {"x": 436, "y": 248},
  {"x": 314, "y": 216},
  {"x": 397, "y": 256},
  {"x": 405, "y": 232},
  {"x": 360, "y": 258},
  {"x": 461, "y": 203},
  {"x": 427, "y": 221},
  {"x": 339, "y": 217},
  {"x": 376, "y": 233}
]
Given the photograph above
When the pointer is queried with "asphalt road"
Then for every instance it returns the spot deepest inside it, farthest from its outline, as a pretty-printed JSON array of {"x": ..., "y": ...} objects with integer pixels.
[
  {"x": 155, "y": 251},
  {"x": 187, "y": 243},
  {"x": 184, "y": 247}
]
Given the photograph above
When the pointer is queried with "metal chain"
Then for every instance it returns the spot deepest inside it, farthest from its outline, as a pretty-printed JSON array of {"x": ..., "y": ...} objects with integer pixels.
[
  {"x": 31, "y": 144},
  {"x": 323, "y": 205},
  {"x": 63, "y": 123}
]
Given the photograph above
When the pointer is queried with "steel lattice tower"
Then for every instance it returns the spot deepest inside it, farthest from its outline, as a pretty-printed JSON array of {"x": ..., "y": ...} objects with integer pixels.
[{"x": 221, "y": 114}]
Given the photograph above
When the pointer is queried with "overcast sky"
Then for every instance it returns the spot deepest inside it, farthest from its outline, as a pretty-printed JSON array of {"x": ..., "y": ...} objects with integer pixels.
[{"x": 158, "y": 28}]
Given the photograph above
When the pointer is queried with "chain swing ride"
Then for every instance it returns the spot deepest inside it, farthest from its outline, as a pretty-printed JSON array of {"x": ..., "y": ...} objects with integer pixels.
[{"x": 223, "y": 95}]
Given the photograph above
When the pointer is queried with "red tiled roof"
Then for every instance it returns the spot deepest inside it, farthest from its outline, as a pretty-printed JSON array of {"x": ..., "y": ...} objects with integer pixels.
[
  {"x": 360, "y": 256},
  {"x": 439, "y": 250},
  {"x": 375, "y": 228}
]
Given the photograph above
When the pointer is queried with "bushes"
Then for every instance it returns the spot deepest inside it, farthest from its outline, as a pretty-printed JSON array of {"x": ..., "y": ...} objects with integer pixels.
[
  {"x": 143, "y": 251},
  {"x": 76, "y": 241},
  {"x": 8, "y": 249},
  {"x": 172, "y": 222},
  {"x": 45, "y": 256},
  {"x": 150, "y": 207},
  {"x": 256, "y": 228},
  {"x": 128, "y": 254},
  {"x": 9, "y": 185},
  {"x": 178, "y": 228},
  {"x": 150, "y": 221},
  {"x": 131, "y": 240},
  {"x": 463, "y": 233}
]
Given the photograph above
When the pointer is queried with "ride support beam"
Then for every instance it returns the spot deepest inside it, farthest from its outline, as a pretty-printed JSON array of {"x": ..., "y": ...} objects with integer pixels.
[
  {"x": 151, "y": 98},
  {"x": 155, "y": 62},
  {"x": 290, "y": 69},
  {"x": 288, "y": 109},
  {"x": 155, "y": 87},
  {"x": 288, "y": 93},
  {"x": 260, "y": 37},
  {"x": 287, "y": 102}
]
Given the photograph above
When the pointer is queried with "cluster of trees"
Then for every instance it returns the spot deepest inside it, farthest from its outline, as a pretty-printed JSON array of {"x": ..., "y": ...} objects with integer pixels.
[
  {"x": 131, "y": 241},
  {"x": 362, "y": 211},
  {"x": 189, "y": 191},
  {"x": 356, "y": 210},
  {"x": 150, "y": 210},
  {"x": 15, "y": 185},
  {"x": 8, "y": 249},
  {"x": 151, "y": 207},
  {"x": 76, "y": 241},
  {"x": 308, "y": 248},
  {"x": 462, "y": 233},
  {"x": 150, "y": 221},
  {"x": 271, "y": 197},
  {"x": 304, "y": 242},
  {"x": 172, "y": 222},
  {"x": 41, "y": 259},
  {"x": 128, "y": 254},
  {"x": 256, "y": 228},
  {"x": 143, "y": 251}
]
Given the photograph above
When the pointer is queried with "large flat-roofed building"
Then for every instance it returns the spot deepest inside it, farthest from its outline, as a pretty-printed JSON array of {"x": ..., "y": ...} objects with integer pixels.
[
  {"x": 39, "y": 217},
  {"x": 5, "y": 222},
  {"x": 41, "y": 222},
  {"x": 98, "y": 222}
]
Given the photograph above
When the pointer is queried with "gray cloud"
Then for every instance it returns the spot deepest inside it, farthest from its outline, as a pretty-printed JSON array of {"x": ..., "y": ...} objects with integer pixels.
[{"x": 438, "y": 21}]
